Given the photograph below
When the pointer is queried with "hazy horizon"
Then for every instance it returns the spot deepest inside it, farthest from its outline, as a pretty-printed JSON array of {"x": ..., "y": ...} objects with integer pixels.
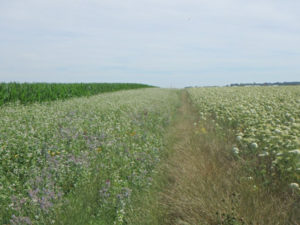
[{"x": 162, "y": 43}]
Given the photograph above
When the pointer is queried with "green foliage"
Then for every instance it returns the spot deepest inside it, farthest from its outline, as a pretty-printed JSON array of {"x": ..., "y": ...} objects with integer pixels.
[
  {"x": 266, "y": 121},
  {"x": 79, "y": 161},
  {"x": 41, "y": 92}
]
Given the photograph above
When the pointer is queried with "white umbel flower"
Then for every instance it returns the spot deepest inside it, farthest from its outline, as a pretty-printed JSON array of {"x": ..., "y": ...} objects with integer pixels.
[
  {"x": 263, "y": 154},
  {"x": 254, "y": 145},
  {"x": 277, "y": 131},
  {"x": 239, "y": 138},
  {"x": 235, "y": 150},
  {"x": 295, "y": 151},
  {"x": 294, "y": 186}
]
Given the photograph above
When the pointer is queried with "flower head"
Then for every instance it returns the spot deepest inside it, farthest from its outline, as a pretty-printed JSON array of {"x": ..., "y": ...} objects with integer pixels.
[
  {"x": 263, "y": 154},
  {"x": 239, "y": 138},
  {"x": 254, "y": 145},
  {"x": 235, "y": 150},
  {"x": 295, "y": 151},
  {"x": 294, "y": 186}
]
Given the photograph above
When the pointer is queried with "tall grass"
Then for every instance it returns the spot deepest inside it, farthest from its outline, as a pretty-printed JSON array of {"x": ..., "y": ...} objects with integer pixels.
[
  {"x": 40, "y": 92},
  {"x": 210, "y": 187}
]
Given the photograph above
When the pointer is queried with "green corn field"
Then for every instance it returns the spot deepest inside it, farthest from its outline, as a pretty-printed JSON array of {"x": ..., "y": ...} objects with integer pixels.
[{"x": 41, "y": 92}]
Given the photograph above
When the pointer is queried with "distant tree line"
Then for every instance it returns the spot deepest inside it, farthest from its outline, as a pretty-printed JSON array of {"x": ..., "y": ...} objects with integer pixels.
[{"x": 266, "y": 84}]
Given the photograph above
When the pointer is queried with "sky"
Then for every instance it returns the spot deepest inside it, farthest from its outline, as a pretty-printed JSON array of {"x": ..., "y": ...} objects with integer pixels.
[{"x": 166, "y": 43}]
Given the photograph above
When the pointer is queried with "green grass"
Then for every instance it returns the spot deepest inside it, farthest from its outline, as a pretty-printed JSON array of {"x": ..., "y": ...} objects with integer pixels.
[{"x": 41, "y": 92}]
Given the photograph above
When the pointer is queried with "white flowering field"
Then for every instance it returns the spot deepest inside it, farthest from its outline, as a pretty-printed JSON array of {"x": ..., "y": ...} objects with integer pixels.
[
  {"x": 265, "y": 122},
  {"x": 47, "y": 150}
]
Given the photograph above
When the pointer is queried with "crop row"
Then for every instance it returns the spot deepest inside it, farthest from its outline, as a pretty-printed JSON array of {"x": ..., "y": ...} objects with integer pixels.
[
  {"x": 266, "y": 124},
  {"x": 48, "y": 151},
  {"x": 40, "y": 92}
]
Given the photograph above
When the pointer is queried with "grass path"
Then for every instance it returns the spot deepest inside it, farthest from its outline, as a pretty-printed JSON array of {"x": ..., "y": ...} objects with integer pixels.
[{"x": 179, "y": 142}]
